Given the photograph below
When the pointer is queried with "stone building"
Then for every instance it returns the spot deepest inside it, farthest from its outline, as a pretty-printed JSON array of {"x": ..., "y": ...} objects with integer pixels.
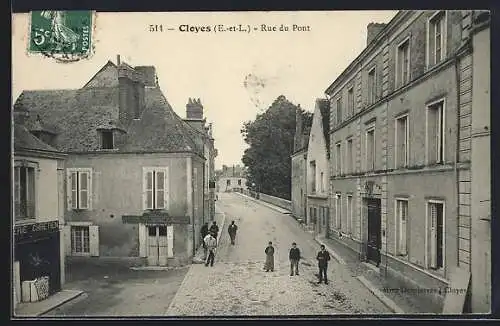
[
  {"x": 231, "y": 178},
  {"x": 136, "y": 173},
  {"x": 409, "y": 115},
  {"x": 299, "y": 168},
  {"x": 38, "y": 213},
  {"x": 317, "y": 168}
]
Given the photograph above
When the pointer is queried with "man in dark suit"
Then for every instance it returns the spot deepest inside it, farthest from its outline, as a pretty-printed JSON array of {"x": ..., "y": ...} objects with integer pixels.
[{"x": 323, "y": 257}]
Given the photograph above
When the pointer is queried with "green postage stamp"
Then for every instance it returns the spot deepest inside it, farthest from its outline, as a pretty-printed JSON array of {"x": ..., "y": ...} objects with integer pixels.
[{"x": 64, "y": 35}]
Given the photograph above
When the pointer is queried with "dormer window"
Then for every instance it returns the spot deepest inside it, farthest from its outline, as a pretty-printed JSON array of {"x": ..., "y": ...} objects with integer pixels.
[{"x": 107, "y": 141}]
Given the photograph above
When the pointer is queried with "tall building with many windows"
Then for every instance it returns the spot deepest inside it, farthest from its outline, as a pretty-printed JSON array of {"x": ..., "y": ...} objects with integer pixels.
[{"x": 408, "y": 118}]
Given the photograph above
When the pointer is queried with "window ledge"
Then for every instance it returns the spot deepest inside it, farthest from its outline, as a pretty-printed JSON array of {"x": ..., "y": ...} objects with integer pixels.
[{"x": 25, "y": 221}]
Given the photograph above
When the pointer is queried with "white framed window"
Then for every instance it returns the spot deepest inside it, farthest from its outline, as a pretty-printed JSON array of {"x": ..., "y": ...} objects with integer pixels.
[
  {"x": 339, "y": 110},
  {"x": 81, "y": 239},
  {"x": 350, "y": 158},
  {"x": 435, "y": 132},
  {"x": 370, "y": 149},
  {"x": 372, "y": 85},
  {"x": 436, "y": 38},
  {"x": 349, "y": 214},
  {"x": 25, "y": 175},
  {"x": 403, "y": 62},
  {"x": 338, "y": 153},
  {"x": 79, "y": 181},
  {"x": 401, "y": 224},
  {"x": 338, "y": 211},
  {"x": 155, "y": 188},
  {"x": 401, "y": 138},
  {"x": 312, "y": 164},
  {"x": 350, "y": 101},
  {"x": 435, "y": 235}
]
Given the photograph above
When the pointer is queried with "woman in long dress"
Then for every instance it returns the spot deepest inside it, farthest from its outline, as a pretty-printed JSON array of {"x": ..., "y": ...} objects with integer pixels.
[{"x": 269, "y": 265}]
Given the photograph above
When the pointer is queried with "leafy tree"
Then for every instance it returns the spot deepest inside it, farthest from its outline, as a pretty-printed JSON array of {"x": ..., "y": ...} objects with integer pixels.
[{"x": 270, "y": 138}]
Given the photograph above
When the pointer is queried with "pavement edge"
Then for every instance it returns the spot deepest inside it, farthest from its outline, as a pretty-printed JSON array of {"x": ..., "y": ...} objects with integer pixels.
[
  {"x": 76, "y": 294},
  {"x": 382, "y": 297}
]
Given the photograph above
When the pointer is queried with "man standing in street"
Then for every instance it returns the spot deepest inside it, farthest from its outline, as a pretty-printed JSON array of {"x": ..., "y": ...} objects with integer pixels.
[
  {"x": 294, "y": 257},
  {"x": 214, "y": 228},
  {"x": 204, "y": 233},
  {"x": 323, "y": 257},
  {"x": 232, "y": 231},
  {"x": 211, "y": 243}
]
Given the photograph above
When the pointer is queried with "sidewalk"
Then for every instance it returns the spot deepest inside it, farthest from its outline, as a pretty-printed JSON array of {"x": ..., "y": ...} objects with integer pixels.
[
  {"x": 34, "y": 309},
  {"x": 373, "y": 278}
]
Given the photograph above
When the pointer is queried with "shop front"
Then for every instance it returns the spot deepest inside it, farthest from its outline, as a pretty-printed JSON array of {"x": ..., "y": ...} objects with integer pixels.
[{"x": 37, "y": 260}]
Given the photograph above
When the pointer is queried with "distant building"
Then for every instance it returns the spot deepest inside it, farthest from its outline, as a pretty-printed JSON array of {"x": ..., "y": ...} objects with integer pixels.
[
  {"x": 299, "y": 168},
  {"x": 231, "y": 178},
  {"x": 317, "y": 175},
  {"x": 409, "y": 144},
  {"x": 38, "y": 218},
  {"x": 136, "y": 175}
]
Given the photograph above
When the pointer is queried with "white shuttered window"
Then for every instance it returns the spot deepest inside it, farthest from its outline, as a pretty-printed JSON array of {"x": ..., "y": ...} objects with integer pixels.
[
  {"x": 79, "y": 185},
  {"x": 155, "y": 188}
]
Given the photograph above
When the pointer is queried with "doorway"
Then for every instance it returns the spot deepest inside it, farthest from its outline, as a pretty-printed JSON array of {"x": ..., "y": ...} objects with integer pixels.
[
  {"x": 157, "y": 245},
  {"x": 374, "y": 236}
]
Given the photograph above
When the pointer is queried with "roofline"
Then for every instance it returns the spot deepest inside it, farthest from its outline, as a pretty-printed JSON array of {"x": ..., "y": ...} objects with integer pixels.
[
  {"x": 39, "y": 153},
  {"x": 373, "y": 44},
  {"x": 130, "y": 152},
  {"x": 105, "y": 65}
]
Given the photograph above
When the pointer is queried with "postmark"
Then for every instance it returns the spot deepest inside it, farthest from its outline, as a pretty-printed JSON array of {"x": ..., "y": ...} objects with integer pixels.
[{"x": 63, "y": 35}]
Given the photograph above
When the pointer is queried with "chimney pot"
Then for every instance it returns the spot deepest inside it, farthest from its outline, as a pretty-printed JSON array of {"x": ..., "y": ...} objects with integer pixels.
[{"x": 118, "y": 59}]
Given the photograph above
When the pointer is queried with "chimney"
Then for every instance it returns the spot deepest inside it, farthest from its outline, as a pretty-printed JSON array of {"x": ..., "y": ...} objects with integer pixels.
[
  {"x": 148, "y": 74},
  {"x": 20, "y": 116},
  {"x": 118, "y": 60},
  {"x": 194, "y": 109},
  {"x": 297, "y": 142},
  {"x": 373, "y": 29},
  {"x": 131, "y": 94}
]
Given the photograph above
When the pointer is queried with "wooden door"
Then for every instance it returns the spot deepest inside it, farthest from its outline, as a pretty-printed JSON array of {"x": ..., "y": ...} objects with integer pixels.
[
  {"x": 162, "y": 245},
  {"x": 374, "y": 236},
  {"x": 153, "y": 252}
]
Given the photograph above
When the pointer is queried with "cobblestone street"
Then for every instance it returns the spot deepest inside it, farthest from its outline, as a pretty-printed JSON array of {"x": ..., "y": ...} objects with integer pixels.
[{"x": 238, "y": 285}]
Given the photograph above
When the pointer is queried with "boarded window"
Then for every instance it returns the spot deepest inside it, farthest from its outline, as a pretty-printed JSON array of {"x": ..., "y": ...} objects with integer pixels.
[
  {"x": 339, "y": 110},
  {"x": 155, "y": 188},
  {"x": 403, "y": 63},
  {"x": 350, "y": 101},
  {"x": 437, "y": 39},
  {"x": 79, "y": 188},
  {"x": 402, "y": 142},
  {"x": 435, "y": 133},
  {"x": 370, "y": 150},
  {"x": 436, "y": 235},
  {"x": 350, "y": 159},
  {"x": 401, "y": 226}
]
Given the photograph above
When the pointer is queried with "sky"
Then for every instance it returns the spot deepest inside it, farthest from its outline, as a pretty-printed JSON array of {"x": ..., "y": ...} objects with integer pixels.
[{"x": 236, "y": 75}]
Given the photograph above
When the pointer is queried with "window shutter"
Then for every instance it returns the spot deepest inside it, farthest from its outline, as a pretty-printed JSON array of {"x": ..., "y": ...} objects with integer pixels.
[
  {"x": 148, "y": 189},
  {"x": 94, "y": 240},
  {"x": 433, "y": 235},
  {"x": 402, "y": 231},
  {"x": 170, "y": 241},
  {"x": 67, "y": 240},
  {"x": 160, "y": 188},
  {"x": 143, "y": 238},
  {"x": 83, "y": 195},
  {"x": 72, "y": 191}
]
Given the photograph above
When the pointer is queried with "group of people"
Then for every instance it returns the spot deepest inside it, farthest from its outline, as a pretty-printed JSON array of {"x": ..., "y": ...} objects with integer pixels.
[
  {"x": 323, "y": 257},
  {"x": 209, "y": 236},
  {"x": 209, "y": 239}
]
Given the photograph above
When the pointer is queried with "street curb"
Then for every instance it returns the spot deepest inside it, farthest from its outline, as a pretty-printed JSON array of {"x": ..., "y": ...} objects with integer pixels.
[
  {"x": 221, "y": 228},
  {"x": 77, "y": 294},
  {"x": 382, "y": 297},
  {"x": 271, "y": 206},
  {"x": 330, "y": 250}
]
